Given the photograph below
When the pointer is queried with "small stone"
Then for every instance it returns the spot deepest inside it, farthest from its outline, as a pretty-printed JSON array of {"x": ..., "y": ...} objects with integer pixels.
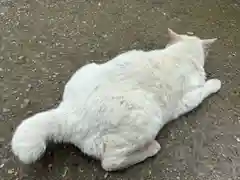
[
  {"x": 106, "y": 175},
  {"x": 237, "y": 139},
  {"x": 29, "y": 87},
  {"x": 21, "y": 60},
  {"x": 29, "y": 112},
  {"x": 150, "y": 172},
  {"x": 10, "y": 171},
  {"x": 5, "y": 110},
  {"x": 105, "y": 35},
  {"x": 65, "y": 171},
  {"x": 25, "y": 103},
  {"x": 190, "y": 33},
  {"x": 20, "y": 57}
]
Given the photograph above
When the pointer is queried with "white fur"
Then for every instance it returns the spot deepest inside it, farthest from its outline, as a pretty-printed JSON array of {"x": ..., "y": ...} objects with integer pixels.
[{"x": 114, "y": 111}]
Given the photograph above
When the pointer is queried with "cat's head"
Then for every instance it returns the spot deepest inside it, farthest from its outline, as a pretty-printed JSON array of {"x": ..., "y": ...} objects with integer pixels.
[{"x": 176, "y": 38}]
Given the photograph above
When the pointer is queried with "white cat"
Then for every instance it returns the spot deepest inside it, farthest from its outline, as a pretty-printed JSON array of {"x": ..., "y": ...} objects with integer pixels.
[{"x": 114, "y": 111}]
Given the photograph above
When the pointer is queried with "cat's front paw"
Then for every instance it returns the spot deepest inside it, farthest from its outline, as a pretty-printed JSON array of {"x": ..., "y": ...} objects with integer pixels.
[{"x": 213, "y": 85}]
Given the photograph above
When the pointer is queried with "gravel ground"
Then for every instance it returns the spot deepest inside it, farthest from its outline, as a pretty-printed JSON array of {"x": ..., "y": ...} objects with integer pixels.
[{"x": 43, "y": 42}]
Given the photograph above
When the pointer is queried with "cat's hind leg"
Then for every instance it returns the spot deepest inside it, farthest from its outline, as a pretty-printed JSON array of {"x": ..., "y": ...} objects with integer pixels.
[
  {"x": 132, "y": 140},
  {"x": 125, "y": 157},
  {"x": 195, "y": 97}
]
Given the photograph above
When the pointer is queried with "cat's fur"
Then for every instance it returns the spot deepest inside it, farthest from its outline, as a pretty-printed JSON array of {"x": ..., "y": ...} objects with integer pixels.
[{"x": 114, "y": 111}]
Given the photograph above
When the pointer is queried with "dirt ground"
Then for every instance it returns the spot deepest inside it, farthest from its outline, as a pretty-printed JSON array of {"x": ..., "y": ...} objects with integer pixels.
[{"x": 42, "y": 43}]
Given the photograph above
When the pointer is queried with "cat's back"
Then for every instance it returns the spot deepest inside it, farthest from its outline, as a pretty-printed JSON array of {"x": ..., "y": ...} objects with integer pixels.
[{"x": 83, "y": 81}]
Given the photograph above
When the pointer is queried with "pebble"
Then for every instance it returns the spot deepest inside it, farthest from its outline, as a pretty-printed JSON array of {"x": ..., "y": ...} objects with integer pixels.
[
  {"x": 29, "y": 87},
  {"x": 25, "y": 103},
  {"x": 10, "y": 171},
  {"x": 237, "y": 139},
  {"x": 5, "y": 110},
  {"x": 106, "y": 175},
  {"x": 190, "y": 33},
  {"x": 50, "y": 166},
  {"x": 20, "y": 57},
  {"x": 65, "y": 171}
]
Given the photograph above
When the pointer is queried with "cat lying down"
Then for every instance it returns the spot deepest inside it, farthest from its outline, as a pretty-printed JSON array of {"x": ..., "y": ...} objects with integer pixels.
[{"x": 114, "y": 111}]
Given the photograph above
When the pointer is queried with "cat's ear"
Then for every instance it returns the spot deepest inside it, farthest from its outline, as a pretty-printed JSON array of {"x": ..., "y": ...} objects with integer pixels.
[
  {"x": 173, "y": 36},
  {"x": 208, "y": 42}
]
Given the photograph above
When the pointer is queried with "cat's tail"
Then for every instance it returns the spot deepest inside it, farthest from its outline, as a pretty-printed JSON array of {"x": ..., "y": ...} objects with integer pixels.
[{"x": 30, "y": 138}]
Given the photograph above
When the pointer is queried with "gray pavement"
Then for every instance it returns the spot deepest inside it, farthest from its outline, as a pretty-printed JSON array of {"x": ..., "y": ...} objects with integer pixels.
[{"x": 43, "y": 42}]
